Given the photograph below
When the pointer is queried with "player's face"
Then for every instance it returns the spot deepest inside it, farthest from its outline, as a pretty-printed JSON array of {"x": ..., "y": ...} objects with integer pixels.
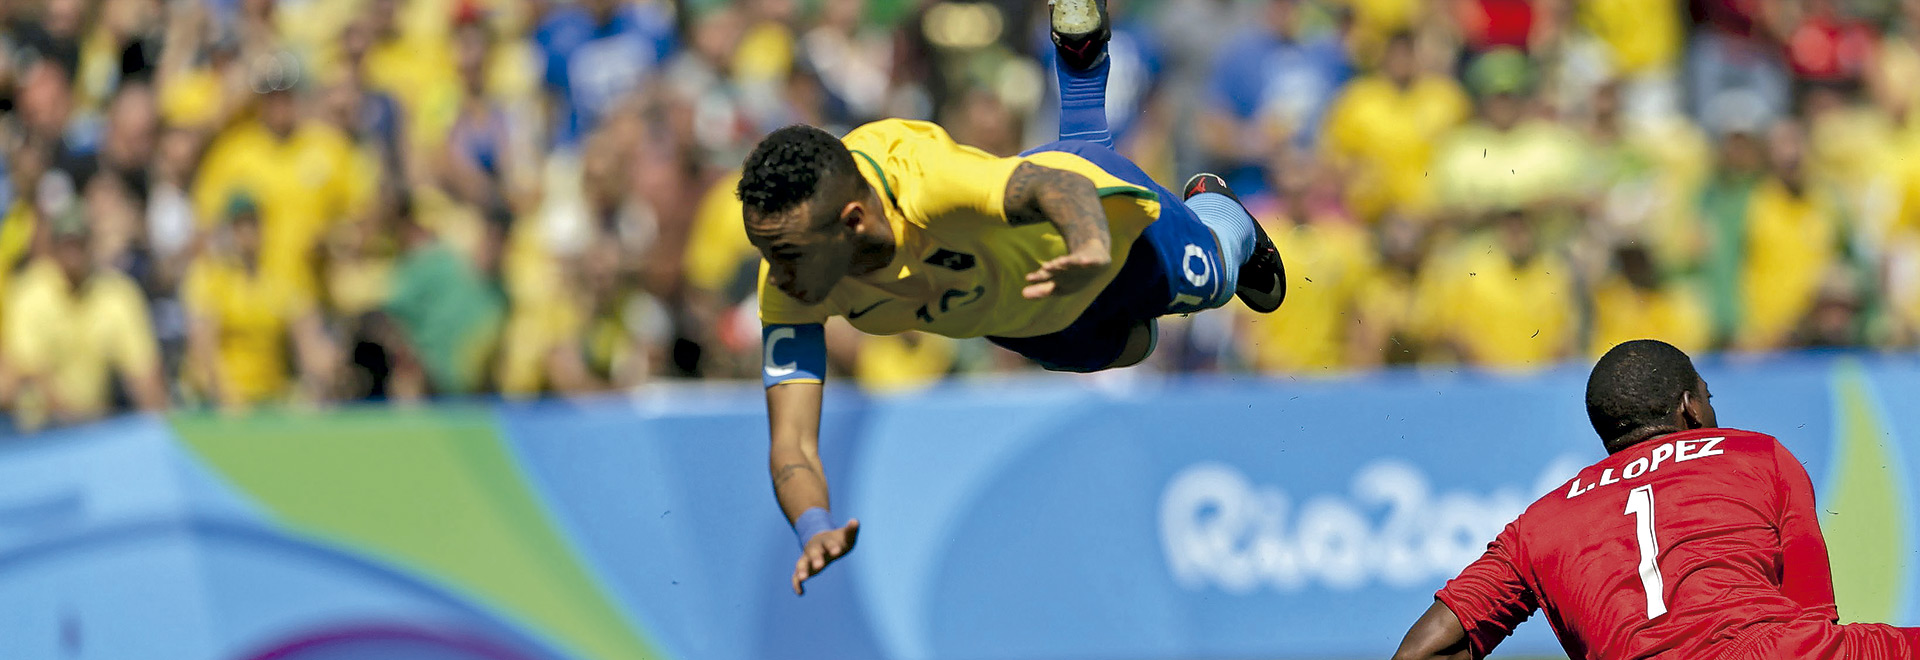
[{"x": 806, "y": 262}]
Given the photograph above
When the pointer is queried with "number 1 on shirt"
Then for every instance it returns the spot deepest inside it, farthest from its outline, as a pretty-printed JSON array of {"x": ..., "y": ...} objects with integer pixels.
[{"x": 1640, "y": 506}]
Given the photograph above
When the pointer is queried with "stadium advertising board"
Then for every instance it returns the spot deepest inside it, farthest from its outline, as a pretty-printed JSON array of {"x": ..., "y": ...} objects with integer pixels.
[{"x": 1051, "y": 518}]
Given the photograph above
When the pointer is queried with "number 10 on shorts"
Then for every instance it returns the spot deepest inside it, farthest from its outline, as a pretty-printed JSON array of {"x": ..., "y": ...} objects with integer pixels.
[{"x": 1640, "y": 506}]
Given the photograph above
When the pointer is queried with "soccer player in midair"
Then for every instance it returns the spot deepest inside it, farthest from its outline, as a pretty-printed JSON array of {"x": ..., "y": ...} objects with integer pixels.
[{"x": 1065, "y": 254}]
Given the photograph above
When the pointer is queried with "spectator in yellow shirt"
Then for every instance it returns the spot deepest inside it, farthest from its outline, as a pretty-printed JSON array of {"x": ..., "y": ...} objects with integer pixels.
[
  {"x": 239, "y": 322},
  {"x": 903, "y": 362},
  {"x": 1394, "y": 309},
  {"x": 719, "y": 258},
  {"x": 1375, "y": 22},
  {"x": 1635, "y": 303},
  {"x": 591, "y": 331},
  {"x": 300, "y": 171},
  {"x": 1792, "y": 235},
  {"x": 1333, "y": 259},
  {"x": 1511, "y": 306},
  {"x": 414, "y": 66},
  {"x": 73, "y": 326},
  {"x": 1383, "y": 126},
  {"x": 1505, "y": 159},
  {"x": 1642, "y": 36}
]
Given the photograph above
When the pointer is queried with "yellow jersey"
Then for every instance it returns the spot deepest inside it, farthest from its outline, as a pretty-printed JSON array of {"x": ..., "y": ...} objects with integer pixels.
[
  {"x": 303, "y": 185},
  {"x": 1642, "y": 36},
  {"x": 253, "y": 314},
  {"x": 1676, "y": 315},
  {"x": 1791, "y": 242},
  {"x": 959, "y": 265},
  {"x": 1328, "y": 262},
  {"x": 1505, "y": 315},
  {"x": 1386, "y": 135},
  {"x": 77, "y": 338}
]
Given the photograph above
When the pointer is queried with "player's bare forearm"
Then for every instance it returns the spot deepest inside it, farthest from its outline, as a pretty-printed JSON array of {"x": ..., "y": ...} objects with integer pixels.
[
  {"x": 1068, "y": 200},
  {"x": 1438, "y": 635},
  {"x": 793, "y": 411},
  {"x": 793, "y": 462}
]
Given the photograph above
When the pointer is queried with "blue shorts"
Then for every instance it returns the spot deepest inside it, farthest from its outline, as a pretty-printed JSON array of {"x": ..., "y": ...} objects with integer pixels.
[{"x": 1173, "y": 268}]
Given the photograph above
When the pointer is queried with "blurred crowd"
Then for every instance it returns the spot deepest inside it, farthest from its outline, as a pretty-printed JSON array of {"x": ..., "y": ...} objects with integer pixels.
[{"x": 234, "y": 203}]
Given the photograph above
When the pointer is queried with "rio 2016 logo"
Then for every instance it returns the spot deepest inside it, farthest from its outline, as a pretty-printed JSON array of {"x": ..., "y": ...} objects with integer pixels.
[{"x": 1221, "y": 530}]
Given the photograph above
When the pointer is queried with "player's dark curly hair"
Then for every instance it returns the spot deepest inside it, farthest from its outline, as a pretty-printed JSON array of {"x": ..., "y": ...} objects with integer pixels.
[
  {"x": 1635, "y": 389},
  {"x": 791, "y": 166}
]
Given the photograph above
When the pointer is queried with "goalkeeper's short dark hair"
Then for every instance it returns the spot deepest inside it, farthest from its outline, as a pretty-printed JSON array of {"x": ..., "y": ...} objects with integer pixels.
[
  {"x": 1635, "y": 389},
  {"x": 793, "y": 166}
]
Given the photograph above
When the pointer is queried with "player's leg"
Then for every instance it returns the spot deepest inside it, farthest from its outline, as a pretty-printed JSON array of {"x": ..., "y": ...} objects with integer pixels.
[
  {"x": 1878, "y": 641},
  {"x": 1822, "y": 640},
  {"x": 1093, "y": 343},
  {"x": 1207, "y": 245},
  {"x": 1081, "y": 30},
  {"x": 1261, "y": 279},
  {"x": 1911, "y": 638}
]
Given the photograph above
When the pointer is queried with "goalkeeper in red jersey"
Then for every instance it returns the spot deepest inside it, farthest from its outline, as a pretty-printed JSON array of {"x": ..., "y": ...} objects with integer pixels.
[{"x": 1689, "y": 542}]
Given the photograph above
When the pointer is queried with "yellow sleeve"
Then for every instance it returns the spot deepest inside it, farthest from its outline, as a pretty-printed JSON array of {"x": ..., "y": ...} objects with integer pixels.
[
  {"x": 534, "y": 330},
  {"x": 1560, "y": 319},
  {"x": 26, "y": 345},
  {"x": 350, "y": 183},
  {"x": 293, "y": 302},
  {"x": 931, "y": 176},
  {"x": 198, "y": 289},
  {"x": 1909, "y": 212},
  {"x": 135, "y": 350},
  {"x": 215, "y": 182},
  {"x": 718, "y": 243},
  {"x": 778, "y": 307},
  {"x": 1345, "y": 131},
  {"x": 190, "y": 99},
  {"x": 359, "y": 180},
  {"x": 1436, "y": 294}
]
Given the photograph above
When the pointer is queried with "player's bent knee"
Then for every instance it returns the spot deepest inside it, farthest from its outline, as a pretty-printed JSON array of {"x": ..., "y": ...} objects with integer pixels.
[
  {"x": 1141, "y": 339},
  {"x": 1140, "y": 343}
]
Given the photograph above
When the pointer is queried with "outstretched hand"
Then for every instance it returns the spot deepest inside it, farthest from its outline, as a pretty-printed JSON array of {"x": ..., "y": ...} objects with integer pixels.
[
  {"x": 821, "y": 550},
  {"x": 1065, "y": 275}
]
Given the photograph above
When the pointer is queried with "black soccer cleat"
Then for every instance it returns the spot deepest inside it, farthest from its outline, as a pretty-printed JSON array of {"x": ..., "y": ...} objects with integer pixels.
[
  {"x": 1263, "y": 279},
  {"x": 1081, "y": 30}
]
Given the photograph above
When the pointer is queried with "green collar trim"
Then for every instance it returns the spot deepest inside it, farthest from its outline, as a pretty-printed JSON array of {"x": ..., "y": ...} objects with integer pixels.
[
  {"x": 884, "y": 186},
  {"x": 1130, "y": 191}
]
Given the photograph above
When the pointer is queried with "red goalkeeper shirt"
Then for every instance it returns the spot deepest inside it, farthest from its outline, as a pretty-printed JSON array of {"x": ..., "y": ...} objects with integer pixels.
[{"x": 1669, "y": 549}]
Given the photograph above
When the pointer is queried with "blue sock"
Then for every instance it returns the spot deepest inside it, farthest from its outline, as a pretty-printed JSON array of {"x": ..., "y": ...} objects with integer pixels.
[
  {"x": 1233, "y": 229},
  {"x": 1083, "y": 102}
]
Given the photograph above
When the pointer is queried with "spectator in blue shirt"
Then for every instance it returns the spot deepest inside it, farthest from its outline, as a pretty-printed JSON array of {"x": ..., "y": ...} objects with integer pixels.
[
  {"x": 1268, "y": 86},
  {"x": 597, "y": 52}
]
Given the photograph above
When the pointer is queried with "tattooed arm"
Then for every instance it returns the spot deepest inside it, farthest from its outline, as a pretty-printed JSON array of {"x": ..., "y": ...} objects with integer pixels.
[
  {"x": 793, "y": 412},
  {"x": 799, "y": 483},
  {"x": 1037, "y": 194},
  {"x": 1071, "y": 204}
]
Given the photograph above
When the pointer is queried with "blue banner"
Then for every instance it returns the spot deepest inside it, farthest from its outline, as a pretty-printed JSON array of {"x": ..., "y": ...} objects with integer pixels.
[{"x": 1053, "y": 517}]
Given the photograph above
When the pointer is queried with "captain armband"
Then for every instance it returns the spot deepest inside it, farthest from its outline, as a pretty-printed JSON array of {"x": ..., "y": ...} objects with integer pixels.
[{"x": 793, "y": 353}]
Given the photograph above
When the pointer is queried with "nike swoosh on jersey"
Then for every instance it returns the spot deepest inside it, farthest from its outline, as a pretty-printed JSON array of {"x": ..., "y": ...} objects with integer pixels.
[{"x": 863, "y": 311}]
